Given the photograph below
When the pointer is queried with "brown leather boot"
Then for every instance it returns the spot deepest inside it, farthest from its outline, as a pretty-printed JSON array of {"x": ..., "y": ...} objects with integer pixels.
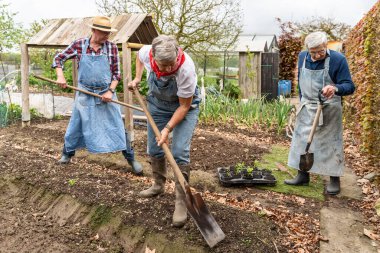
[
  {"x": 180, "y": 210},
  {"x": 159, "y": 176}
]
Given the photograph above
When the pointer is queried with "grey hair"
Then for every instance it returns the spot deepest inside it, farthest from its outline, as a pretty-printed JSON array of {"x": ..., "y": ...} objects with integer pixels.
[
  {"x": 315, "y": 39},
  {"x": 165, "y": 48}
]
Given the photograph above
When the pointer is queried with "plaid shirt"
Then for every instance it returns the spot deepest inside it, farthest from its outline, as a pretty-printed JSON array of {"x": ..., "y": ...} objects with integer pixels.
[{"x": 75, "y": 50}]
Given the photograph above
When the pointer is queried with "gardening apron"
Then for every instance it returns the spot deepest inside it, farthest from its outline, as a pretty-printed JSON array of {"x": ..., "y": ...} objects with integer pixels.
[
  {"x": 164, "y": 91},
  {"x": 95, "y": 125},
  {"x": 327, "y": 144}
]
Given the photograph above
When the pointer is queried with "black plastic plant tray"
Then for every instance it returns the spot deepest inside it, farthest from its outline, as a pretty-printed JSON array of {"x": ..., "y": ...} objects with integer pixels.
[{"x": 229, "y": 177}]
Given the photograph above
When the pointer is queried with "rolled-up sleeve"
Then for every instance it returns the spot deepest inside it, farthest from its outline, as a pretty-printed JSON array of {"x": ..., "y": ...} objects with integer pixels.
[{"x": 66, "y": 54}]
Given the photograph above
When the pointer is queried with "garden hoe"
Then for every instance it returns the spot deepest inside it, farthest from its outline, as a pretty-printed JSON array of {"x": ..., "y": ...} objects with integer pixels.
[
  {"x": 307, "y": 159},
  {"x": 89, "y": 93},
  {"x": 196, "y": 207}
]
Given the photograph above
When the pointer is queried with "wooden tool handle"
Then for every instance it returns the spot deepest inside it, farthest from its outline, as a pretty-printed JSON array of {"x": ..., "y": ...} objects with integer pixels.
[
  {"x": 169, "y": 156},
  {"x": 316, "y": 119},
  {"x": 89, "y": 93}
]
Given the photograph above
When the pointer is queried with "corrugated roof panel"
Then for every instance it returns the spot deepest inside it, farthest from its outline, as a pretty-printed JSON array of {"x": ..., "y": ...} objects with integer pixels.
[{"x": 61, "y": 32}]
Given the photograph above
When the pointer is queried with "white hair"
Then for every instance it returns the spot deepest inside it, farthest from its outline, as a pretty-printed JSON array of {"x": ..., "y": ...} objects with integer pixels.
[
  {"x": 165, "y": 48},
  {"x": 315, "y": 39}
]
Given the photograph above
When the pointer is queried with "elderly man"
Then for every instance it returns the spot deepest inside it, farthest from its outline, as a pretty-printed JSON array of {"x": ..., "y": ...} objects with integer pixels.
[
  {"x": 95, "y": 124},
  {"x": 173, "y": 101},
  {"x": 327, "y": 71}
]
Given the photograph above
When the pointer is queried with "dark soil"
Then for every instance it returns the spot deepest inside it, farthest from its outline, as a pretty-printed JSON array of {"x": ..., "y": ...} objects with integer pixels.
[{"x": 29, "y": 155}]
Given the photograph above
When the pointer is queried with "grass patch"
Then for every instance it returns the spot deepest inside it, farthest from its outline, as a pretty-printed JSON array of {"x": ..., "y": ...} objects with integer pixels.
[
  {"x": 101, "y": 216},
  {"x": 280, "y": 154}
]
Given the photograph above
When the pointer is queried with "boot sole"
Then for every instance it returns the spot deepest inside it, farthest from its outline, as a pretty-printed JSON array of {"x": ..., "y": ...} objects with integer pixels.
[
  {"x": 151, "y": 196},
  {"x": 179, "y": 224},
  {"x": 333, "y": 193},
  {"x": 302, "y": 184}
]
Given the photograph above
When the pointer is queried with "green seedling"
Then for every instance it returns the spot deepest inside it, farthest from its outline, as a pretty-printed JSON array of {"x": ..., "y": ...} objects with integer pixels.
[{"x": 72, "y": 182}]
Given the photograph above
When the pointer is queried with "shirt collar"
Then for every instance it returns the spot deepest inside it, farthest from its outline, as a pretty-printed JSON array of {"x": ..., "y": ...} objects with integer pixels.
[{"x": 308, "y": 56}]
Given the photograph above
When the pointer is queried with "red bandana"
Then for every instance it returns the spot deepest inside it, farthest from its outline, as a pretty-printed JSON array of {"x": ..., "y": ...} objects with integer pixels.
[{"x": 153, "y": 64}]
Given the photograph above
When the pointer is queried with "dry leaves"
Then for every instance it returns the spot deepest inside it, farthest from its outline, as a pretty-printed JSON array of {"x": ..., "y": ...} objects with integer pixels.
[{"x": 371, "y": 234}]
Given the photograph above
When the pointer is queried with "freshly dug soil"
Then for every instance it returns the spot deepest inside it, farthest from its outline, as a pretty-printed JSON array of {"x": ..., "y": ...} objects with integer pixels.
[{"x": 28, "y": 162}]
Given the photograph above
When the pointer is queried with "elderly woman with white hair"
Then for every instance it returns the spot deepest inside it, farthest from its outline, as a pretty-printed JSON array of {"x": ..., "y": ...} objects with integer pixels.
[
  {"x": 173, "y": 102},
  {"x": 320, "y": 69}
]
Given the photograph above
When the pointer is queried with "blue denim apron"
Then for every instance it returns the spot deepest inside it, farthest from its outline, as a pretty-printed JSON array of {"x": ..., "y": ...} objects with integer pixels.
[
  {"x": 162, "y": 103},
  {"x": 95, "y": 125},
  {"x": 327, "y": 144}
]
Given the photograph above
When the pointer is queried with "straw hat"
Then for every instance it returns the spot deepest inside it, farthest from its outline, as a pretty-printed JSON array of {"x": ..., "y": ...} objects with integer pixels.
[{"x": 103, "y": 24}]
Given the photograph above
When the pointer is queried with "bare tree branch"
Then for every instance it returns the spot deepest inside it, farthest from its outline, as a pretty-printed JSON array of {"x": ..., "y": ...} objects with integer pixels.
[{"x": 197, "y": 24}]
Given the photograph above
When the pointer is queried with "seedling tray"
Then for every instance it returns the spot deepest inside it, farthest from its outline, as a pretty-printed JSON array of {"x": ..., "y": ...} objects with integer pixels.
[{"x": 228, "y": 176}]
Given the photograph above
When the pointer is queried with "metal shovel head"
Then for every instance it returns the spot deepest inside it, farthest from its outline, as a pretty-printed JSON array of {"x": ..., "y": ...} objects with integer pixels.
[
  {"x": 306, "y": 161},
  {"x": 205, "y": 222}
]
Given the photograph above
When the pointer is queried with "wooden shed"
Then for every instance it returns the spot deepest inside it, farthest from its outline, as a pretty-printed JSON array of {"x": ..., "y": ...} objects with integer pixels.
[
  {"x": 134, "y": 31},
  {"x": 258, "y": 65}
]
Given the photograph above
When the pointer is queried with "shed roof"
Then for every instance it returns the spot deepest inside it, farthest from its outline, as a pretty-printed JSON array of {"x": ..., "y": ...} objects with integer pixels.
[
  {"x": 246, "y": 43},
  {"x": 270, "y": 39},
  {"x": 133, "y": 28}
]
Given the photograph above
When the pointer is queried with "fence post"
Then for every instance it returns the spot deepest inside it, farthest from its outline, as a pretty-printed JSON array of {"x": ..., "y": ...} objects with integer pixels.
[{"x": 25, "y": 85}]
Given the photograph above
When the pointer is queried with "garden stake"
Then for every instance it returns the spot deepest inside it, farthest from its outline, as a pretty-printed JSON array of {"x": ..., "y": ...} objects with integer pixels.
[
  {"x": 307, "y": 159},
  {"x": 89, "y": 93},
  {"x": 196, "y": 207}
]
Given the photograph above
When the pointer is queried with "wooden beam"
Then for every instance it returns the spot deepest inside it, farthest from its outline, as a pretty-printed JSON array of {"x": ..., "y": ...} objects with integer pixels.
[
  {"x": 135, "y": 45},
  {"x": 127, "y": 77},
  {"x": 25, "y": 85}
]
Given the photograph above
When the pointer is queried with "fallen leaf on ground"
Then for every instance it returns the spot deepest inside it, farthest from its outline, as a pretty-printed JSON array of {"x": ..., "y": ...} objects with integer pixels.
[
  {"x": 147, "y": 250},
  {"x": 371, "y": 234}
]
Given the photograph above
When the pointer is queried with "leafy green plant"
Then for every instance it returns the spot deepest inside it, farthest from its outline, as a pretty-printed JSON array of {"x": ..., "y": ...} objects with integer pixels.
[
  {"x": 239, "y": 167},
  {"x": 260, "y": 112},
  {"x": 72, "y": 182}
]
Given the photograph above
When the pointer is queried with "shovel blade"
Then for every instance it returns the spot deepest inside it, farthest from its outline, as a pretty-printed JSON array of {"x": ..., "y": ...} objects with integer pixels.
[
  {"x": 306, "y": 161},
  {"x": 202, "y": 217}
]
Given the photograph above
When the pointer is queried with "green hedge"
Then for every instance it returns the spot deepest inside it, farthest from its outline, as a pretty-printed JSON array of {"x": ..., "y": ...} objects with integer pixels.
[{"x": 362, "y": 109}]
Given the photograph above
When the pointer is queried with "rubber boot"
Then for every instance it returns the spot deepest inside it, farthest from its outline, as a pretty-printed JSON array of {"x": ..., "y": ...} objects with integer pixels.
[
  {"x": 333, "y": 187},
  {"x": 65, "y": 159},
  {"x": 136, "y": 167},
  {"x": 180, "y": 210},
  {"x": 159, "y": 177},
  {"x": 302, "y": 178}
]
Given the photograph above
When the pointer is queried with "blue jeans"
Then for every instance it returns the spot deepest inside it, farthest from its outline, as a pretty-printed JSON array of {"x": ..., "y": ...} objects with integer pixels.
[
  {"x": 182, "y": 133},
  {"x": 128, "y": 153}
]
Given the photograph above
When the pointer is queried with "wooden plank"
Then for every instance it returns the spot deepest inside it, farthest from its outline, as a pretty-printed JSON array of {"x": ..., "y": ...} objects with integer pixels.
[
  {"x": 127, "y": 77},
  {"x": 25, "y": 85},
  {"x": 269, "y": 72},
  {"x": 129, "y": 28}
]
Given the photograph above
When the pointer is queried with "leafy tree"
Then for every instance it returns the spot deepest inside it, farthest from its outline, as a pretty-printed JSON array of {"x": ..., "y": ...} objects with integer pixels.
[
  {"x": 290, "y": 44},
  {"x": 337, "y": 31},
  {"x": 11, "y": 32},
  {"x": 196, "y": 24}
]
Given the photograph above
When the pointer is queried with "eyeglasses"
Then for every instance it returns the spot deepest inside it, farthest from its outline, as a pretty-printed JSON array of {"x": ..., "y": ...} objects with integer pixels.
[{"x": 319, "y": 52}]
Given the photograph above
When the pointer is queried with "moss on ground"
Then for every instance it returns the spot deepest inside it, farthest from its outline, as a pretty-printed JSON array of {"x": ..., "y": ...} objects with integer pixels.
[
  {"x": 101, "y": 216},
  {"x": 280, "y": 154}
]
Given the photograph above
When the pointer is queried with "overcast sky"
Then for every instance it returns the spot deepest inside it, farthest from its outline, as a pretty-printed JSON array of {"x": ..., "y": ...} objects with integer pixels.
[{"x": 259, "y": 15}]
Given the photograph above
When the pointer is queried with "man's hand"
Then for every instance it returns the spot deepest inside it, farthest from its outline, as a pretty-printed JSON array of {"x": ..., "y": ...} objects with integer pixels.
[
  {"x": 61, "y": 81},
  {"x": 133, "y": 84},
  {"x": 328, "y": 91},
  {"x": 107, "y": 96},
  {"x": 164, "y": 137}
]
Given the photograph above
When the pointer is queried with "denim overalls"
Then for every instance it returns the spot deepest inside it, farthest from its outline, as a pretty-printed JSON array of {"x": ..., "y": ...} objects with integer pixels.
[
  {"x": 95, "y": 125},
  {"x": 162, "y": 103},
  {"x": 327, "y": 144}
]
